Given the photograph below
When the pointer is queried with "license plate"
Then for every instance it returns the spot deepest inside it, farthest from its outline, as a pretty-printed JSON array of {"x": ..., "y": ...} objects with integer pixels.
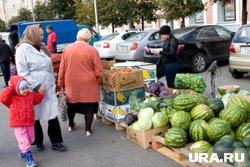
[
  {"x": 98, "y": 46},
  {"x": 123, "y": 49},
  {"x": 245, "y": 50}
]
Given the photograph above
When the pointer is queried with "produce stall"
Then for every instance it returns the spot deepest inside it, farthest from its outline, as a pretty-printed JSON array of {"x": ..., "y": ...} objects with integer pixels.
[{"x": 179, "y": 121}]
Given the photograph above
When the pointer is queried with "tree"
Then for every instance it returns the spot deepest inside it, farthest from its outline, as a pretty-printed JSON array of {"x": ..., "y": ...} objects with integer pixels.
[
  {"x": 62, "y": 9},
  {"x": 244, "y": 9},
  {"x": 85, "y": 12},
  {"x": 42, "y": 12},
  {"x": 116, "y": 13},
  {"x": 2, "y": 26},
  {"x": 145, "y": 11},
  {"x": 175, "y": 9},
  {"x": 23, "y": 15}
]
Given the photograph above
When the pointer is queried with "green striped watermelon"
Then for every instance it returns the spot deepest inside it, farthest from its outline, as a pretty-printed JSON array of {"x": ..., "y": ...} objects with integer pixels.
[
  {"x": 214, "y": 120},
  {"x": 200, "y": 147},
  {"x": 176, "y": 137},
  {"x": 202, "y": 111},
  {"x": 235, "y": 115},
  {"x": 216, "y": 105},
  {"x": 243, "y": 131},
  {"x": 180, "y": 119},
  {"x": 183, "y": 102},
  {"x": 197, "y": 130},
  {"x": 239, "y": 101},
  {"x": 198, "y": 99},
  {"x": 218, "y": 129}
]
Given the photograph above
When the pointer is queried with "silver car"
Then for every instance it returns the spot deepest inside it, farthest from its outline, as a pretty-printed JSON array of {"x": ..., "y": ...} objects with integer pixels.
[{"x": 133, "y": 47}]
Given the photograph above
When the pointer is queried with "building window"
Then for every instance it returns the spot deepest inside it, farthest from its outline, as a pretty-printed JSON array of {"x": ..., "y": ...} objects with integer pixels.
[
  {"x": 227, "y": 12},
  {"x": 197, "y": 18}
]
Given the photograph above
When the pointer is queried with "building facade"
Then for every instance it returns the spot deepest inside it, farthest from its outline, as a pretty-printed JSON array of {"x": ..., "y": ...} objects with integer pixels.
[{"x": 9, "y": 8}]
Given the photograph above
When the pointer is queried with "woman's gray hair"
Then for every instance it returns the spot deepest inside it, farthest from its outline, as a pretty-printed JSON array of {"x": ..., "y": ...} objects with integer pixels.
[{"x": 84, "y": 34}]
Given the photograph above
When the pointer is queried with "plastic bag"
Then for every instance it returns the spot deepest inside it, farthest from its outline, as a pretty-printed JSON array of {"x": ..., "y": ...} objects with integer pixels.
[
  {"x": 13, "y": 70},
  {"x": 62, "y": 105}
]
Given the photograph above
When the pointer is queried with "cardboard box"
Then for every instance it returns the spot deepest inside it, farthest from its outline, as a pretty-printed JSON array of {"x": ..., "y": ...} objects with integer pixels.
[
  {"x": 148, "y": 69},
  {"x": 102, "y": 94},
  {"x": 117, "y": 113},
  {"x": 102, "y": 109},
  {"x": 120, "y": 98},
  {"x": 144, "y": 137},
  {"x": 118, "y": 82},
  {"x": 107, "y": 64}
]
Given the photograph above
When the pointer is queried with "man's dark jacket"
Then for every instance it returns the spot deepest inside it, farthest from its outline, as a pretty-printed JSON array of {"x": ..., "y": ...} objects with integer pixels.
[{"x": 5, "y": 52}]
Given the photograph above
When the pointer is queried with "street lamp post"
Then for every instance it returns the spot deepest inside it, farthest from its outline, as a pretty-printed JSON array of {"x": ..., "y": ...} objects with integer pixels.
[
  {"x": 33, "y": 14},
  {"x": 96, "y": 17}
]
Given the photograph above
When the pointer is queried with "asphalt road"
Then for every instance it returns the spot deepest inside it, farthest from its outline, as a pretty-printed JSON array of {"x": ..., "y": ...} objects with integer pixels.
[{"x": 105, "y": 148}]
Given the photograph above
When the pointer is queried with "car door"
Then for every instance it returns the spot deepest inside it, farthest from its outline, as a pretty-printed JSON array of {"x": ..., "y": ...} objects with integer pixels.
[
  {"x": 210, "y": 42},
  {"x": 226, "y": 37}
]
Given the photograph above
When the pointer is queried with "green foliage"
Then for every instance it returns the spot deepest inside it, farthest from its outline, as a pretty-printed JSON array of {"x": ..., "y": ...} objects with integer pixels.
[
  {"x": 85, "y": 12},
  {"x": 2, "y": 26},
  {"x": 175, "y": 9},
  {"x": 42, "y": 12},
  {"x": 114, "y": 12},
  {"x": 23, "y": 15},
  {"x": 62, "y": 9}
]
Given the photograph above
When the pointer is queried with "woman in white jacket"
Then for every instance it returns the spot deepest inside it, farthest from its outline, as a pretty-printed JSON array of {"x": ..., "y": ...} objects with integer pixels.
[{"x": 33, "y": 63}]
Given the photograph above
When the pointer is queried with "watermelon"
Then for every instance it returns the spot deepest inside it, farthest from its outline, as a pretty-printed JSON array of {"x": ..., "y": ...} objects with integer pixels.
[
  {"x": 216, "y": 105},
  {"x": 221, "y": 147},
  {"x": 239, "y": 151},
  {"x": 214, "y": 120},
  {"x": 235, "y": 115},
  {"x": 228, "y": 139},
  {"x": 181, "y": 119},
  {"x": 202, "y": 111},
  {"x": 197, "y": 130},
  {"x": 218, "y": 129},
  {"x": 169, "y": 111},
  {"x": 198, "y": 99},
  {"x": 238, "y": 145},
  {"x": 246, "y": 142},
  {"x": 239, "y": 101},
  {"x": 228, "y": 89},
  {"x": 200, "y": 147},
  {"x": 176, "y": 137},
  {"x": 243, "y": 131},
  {"x": 183, "y": 102}
]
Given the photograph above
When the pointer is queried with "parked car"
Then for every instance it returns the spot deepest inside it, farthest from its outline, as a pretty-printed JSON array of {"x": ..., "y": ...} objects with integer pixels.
[
  {"x": 132, "y": 47},
  {"x": 95, "y": 35},
  {"x": 198, "y": 46},
  {"x": 239, "y": 60},
  {"x": 107, "y": 46}
]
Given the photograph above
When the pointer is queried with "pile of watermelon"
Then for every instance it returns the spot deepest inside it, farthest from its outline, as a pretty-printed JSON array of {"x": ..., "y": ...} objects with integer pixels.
[
  {"x": 206, "y": 122},
  {"x": 190, "y": 81}
]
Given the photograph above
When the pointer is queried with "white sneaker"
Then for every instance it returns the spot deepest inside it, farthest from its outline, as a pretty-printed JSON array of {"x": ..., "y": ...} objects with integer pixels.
[{"x": 71, "y": 128}]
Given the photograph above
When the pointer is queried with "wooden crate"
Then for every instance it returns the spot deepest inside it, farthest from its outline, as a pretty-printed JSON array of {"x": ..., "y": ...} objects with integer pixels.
[
  {"x": 158, "y": 144},
  {"x": 118, "y": 125}
]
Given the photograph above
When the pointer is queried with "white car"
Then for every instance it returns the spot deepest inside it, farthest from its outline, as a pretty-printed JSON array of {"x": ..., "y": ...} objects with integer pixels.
[{"x": 107, "y": 46}]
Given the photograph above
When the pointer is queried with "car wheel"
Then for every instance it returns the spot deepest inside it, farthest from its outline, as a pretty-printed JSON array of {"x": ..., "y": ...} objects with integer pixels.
[
  {"x": 237, "y": 75},
  {"x": 199, "y": 63}
]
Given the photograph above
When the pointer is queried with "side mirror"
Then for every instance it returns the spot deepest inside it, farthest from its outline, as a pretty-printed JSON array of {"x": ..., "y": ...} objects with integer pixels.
[{"x": 232, "y": 34}]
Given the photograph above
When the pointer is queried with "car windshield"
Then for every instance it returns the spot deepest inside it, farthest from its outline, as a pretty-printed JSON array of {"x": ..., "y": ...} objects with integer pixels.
[
  {"x": 137, "y": 36},
  {"x": 182, "y": 33},
  {"x": 110, "y": 37},
  {"x": 243, "y": 36}
]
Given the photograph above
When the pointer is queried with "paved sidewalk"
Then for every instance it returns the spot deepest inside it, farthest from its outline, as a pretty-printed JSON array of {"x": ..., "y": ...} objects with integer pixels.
[{"x": 105, "y": 148}]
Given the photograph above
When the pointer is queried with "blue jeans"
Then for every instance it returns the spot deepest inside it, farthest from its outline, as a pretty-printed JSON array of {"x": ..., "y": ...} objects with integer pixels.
[
  {"x": 168, "y": 70},
  {"x": 5, "y": 67}
]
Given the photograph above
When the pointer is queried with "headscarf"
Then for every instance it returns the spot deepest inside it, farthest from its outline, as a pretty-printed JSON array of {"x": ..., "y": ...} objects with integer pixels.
[{"x": 33, "y": 35}]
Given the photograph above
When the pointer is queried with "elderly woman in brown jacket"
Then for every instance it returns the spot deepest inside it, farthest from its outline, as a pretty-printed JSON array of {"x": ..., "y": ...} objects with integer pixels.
[{"x": 81, "y": 74}]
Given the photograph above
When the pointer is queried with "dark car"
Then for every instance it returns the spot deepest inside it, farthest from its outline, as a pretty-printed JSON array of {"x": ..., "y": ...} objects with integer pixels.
[{"x": 198, "y": 46}]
